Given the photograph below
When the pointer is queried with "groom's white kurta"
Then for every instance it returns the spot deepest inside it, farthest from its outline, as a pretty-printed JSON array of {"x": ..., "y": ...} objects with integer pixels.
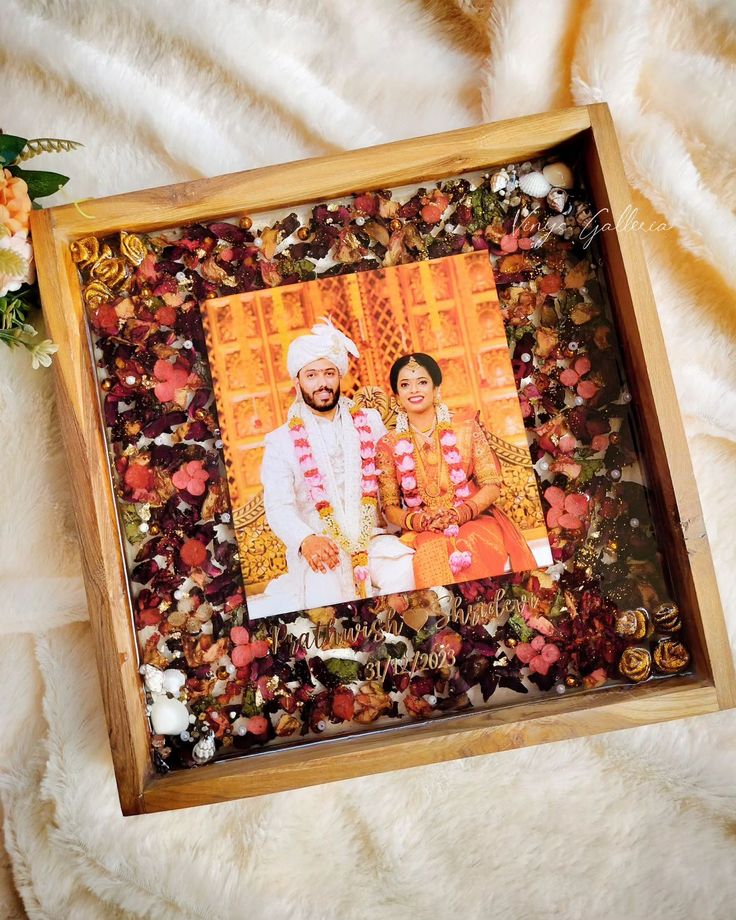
[{"x": 292, "y": 516}]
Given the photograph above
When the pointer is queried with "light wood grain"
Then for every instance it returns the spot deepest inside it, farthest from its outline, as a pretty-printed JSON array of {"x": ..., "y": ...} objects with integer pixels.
[
  {"x": 679, "y": 517},
  {"x": 480, "y": 732},
  {"x": 419, "y": 160}
]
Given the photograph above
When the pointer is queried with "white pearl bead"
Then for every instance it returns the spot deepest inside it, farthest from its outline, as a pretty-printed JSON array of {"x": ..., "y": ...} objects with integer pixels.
[
  {"x": 579, "y": 400},
  {"x": 560, "y": 688},
  {"x": 526, "y": 356},
  {"x": 360, "y": 221},
  {"x": 543, "y": 465},
  {"x": 634, "y": 522},
  {"x": 189, "y": 344},
  {"x": 130, "y": 380},
  {"x": 143, "y": 527},
  {"x": 321, "y": 725}
]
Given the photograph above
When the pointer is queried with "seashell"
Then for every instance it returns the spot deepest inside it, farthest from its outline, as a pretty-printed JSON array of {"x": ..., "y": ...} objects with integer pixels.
[
  {"x": 557, "y": 199},
  {"x": 499, "y": 180},
  {"x": 173, "y": 681},
  {"x": 635, "y": 663},
  {"x": 169, "y": 717},
  {"x": 534, "y": 184},
  {"x": 583, "y": 215},
  {"x": 667, "y": 617},
  {"x": 559, "y": 175},
  {"x": 204, "y": 749},
  {"x": 556, "y": 224},
  {"x": 153, "y": 678},
  {"x": 670, "y": 655}
]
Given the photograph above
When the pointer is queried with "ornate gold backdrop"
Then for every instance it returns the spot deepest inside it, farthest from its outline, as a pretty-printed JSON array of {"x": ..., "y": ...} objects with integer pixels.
[{"x": 446, "y": 307}]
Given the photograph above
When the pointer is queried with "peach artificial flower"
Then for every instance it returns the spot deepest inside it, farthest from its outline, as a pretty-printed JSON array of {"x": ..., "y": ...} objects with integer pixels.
[{"x": 15, "y": 205}]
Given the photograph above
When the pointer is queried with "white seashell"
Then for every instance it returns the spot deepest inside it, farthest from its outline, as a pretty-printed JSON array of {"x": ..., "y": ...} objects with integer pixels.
[
  {"x": 153, "y": 678},
  {"x": 559, "y": 175},
  {"x": 169, "y": 717},
  {"x": 556, "y": 224},
  {"x": 534, "y": 184},
  {"x": 204, "y": 749},
  {"x": 557, "y": 199},
  {"x": 173, "y": 681},
  {"x": 499, "y": 180}
]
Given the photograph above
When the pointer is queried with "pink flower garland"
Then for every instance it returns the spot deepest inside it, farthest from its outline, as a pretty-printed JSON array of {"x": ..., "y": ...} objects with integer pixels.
[
  {"x": 318, "y": 493},
  {"x": 406, "y": 471}
]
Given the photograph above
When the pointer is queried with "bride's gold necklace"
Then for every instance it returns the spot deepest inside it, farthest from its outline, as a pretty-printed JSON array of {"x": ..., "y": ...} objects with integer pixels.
[{"x": 428, "y": 455}]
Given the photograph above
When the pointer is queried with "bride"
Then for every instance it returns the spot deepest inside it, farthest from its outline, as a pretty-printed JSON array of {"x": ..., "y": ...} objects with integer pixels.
[{"x": 439, "y": 480}]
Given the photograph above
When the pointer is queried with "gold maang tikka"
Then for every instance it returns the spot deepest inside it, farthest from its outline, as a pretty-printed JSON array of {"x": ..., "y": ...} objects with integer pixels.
[{"x": 413, "y": 363}]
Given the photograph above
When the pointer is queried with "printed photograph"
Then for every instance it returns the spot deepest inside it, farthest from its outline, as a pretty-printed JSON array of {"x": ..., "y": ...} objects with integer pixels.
[{"x": 372, "y": 434}]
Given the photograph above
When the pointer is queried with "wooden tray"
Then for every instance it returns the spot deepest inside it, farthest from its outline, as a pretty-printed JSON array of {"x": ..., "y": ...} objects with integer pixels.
[{"x": 711, "y": 687}]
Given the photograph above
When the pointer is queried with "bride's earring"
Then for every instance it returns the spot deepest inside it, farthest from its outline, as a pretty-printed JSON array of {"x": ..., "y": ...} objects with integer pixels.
[{"x": 437, "y": 397}]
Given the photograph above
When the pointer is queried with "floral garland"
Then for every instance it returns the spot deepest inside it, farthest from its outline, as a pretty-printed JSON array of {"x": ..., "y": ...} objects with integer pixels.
[
  {"x": 356, "y": 549},
  {"x": 406, "y": 470}
]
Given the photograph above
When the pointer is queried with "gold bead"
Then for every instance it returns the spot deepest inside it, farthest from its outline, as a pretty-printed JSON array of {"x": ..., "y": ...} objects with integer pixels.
[
  {"x": 395, "y": 224},
  {"x": 614, "y": 437},
  {"x": 572, "y": 681},
  {"x": 246, "y": 223},
  {"x": 303, "y": 233},
  {"x": 200, "y": 414},
  {"x": 154, "y": 530},
  {"x": 106, "y": 384},
  {"x": 511, "y": 642}
]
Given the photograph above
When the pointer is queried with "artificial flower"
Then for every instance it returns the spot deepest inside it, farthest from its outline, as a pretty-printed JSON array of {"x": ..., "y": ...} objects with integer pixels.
[
  {"x": 16, "y": 262},
  {"x": 15, "y": 203}
]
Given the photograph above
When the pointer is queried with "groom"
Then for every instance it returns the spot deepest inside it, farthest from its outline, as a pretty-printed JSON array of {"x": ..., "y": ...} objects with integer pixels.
[{"x": 314, "y": 488}]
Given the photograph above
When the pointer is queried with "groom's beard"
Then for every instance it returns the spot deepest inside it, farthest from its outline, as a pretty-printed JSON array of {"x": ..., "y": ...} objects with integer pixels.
[{"x": 322, "y": 400}]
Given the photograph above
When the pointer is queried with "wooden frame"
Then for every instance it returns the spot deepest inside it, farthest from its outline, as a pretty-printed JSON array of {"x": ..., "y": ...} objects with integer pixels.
[{"x": 710, "y": 688}]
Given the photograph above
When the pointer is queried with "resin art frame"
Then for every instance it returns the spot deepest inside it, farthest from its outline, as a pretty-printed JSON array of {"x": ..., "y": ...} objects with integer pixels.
[{"x": 505, "y": 250}]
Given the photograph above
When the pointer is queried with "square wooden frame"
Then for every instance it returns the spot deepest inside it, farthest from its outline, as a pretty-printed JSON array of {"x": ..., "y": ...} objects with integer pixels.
[{"x": 679, "y": 518}]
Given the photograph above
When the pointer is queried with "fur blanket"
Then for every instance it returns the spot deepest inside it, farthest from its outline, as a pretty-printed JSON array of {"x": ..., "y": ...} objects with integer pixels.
[{"x": 636, "y": 824}]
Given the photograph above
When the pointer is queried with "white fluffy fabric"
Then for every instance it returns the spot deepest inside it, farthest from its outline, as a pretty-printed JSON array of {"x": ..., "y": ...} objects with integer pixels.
[{"x": 636, "y": 824}]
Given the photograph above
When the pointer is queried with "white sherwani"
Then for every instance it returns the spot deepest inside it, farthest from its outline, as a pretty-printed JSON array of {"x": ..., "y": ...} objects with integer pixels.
[{"x": 292, "y": 516}]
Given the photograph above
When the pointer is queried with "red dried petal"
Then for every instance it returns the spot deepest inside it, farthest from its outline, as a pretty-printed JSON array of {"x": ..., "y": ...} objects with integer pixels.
[
  {"x": 568, "y": 377},
  {"x": 193, "y": 553},
  {"x": 242, "y": 655},
  {"x": 555, "y": 496},
  {"x": 570, "y": 522},
  {"x": 549, "y": 284},
  {"x": 576, "y": 504},
  {"x": 239, "y": 635},
  {"x": 582, "y": 365}
]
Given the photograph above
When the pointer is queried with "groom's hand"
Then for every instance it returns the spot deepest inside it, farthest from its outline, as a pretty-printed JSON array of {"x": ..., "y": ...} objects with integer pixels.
[{"x": 321, "y": 553}]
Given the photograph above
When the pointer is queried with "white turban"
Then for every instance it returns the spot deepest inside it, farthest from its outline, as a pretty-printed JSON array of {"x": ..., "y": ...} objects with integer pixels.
[{"x": 324, "y": 341}]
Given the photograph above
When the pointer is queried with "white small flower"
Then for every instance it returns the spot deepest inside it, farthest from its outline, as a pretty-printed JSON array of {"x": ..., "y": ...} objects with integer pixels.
[
  {"x": 41, "y": 353},
  {"x": 16, "y": 262}
]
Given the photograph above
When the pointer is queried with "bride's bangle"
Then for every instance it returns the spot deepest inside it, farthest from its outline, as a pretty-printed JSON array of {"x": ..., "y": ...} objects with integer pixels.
[
  {"x": 407, "y": 520},
  {"x": 474, "y": 511}
]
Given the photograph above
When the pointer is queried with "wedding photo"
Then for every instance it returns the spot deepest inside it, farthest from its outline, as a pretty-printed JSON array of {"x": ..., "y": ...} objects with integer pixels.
[{"x": 373, "y": 436}]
